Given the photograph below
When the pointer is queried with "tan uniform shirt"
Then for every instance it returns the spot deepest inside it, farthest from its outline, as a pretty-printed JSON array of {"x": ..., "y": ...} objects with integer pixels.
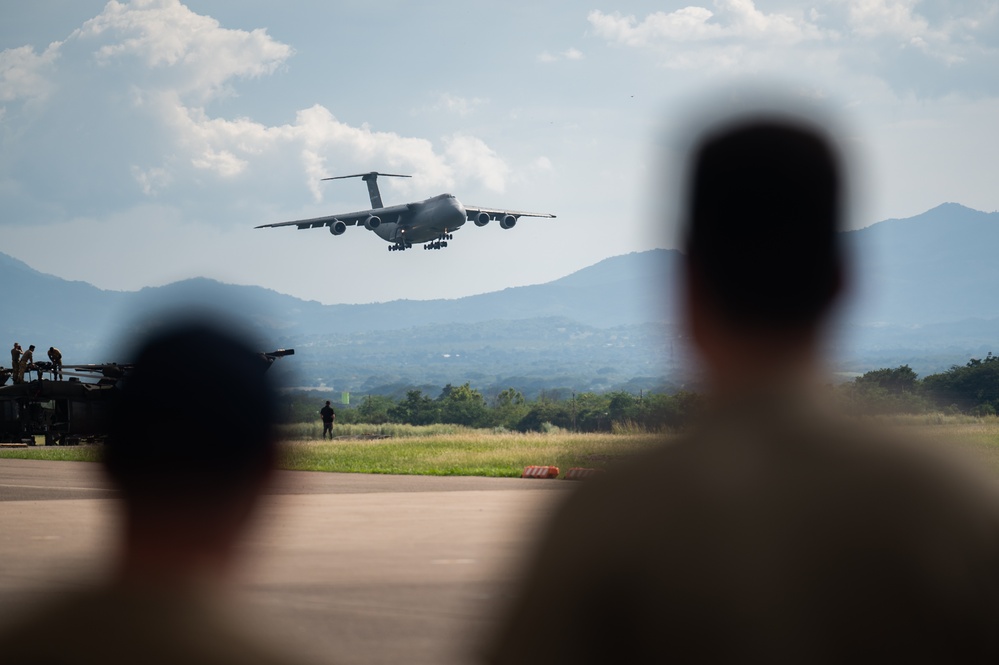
[
  {"x": 772, "y": 534},
  {"x": 117, "y": 626}
]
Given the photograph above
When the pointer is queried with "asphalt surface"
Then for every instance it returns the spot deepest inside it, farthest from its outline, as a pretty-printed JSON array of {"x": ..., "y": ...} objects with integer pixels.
[{"x": 344, "y": 568}]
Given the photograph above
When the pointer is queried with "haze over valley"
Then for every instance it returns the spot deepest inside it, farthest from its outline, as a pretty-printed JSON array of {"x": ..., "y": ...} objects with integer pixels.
[{"x": 924, "y": 296}]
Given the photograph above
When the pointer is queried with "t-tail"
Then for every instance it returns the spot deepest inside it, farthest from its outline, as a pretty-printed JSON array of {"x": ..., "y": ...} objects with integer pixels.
[{"x": 372, "y": 180}]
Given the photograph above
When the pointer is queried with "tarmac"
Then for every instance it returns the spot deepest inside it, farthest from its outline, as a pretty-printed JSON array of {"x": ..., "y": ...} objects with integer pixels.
[{"x": 343, "y": 568}]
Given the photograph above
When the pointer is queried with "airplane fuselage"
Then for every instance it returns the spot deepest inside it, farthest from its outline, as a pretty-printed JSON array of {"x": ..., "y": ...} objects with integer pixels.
[
  {"x": 430, "y": 222},
  {"x": 424, "y": 221}
]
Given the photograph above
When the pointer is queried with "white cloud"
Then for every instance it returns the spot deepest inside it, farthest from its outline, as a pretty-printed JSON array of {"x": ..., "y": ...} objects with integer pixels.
[
  {"x": 472, "y": 157},
  {"x": 166, "y": 35},
  {"x": 734, "y": 18},
  {"x": 160, "y": 65},
  {"x": 25, "y": 74},
  {"x": 948, "y": 38},
  {"x": 736, "y": 35},
  {"x": 542, "y": 164},
  {"x": 945, "y": 48},
  {"x": 872, "y": 18},
  {"x": 151, "y": 180},
  {"x": 461, "y": 106},
  {"x": 568, "y": 54}
]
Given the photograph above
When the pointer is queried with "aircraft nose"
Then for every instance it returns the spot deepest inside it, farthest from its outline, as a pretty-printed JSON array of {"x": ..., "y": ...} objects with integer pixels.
[{"x": 458, "y": 214}]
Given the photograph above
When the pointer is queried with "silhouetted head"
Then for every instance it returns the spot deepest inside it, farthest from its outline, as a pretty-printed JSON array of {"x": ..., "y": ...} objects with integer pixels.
[
  {"x": 194, "y": 418},
  {"x": 763, "y": 214}
]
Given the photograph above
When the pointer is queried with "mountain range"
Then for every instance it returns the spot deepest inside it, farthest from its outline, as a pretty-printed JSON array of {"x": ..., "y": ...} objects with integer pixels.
[{"x": 924, "y": 293}]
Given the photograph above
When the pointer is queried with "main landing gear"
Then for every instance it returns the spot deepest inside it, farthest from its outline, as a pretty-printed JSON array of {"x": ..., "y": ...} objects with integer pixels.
[
  {"x": 440, "y": 242},
  {"x": 400, "y": 246}
]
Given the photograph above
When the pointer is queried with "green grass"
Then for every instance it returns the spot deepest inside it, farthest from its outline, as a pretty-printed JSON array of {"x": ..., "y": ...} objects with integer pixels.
[
  {"x": 464, "y": 453},
  {"x": 54, "y": 453},
  {"x": 454, "y": 450},
  {"x": 314, "y": 431}
]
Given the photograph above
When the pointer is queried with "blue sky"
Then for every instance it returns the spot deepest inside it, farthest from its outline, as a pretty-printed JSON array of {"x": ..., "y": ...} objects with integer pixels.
[{"x": 143, "y": 141}]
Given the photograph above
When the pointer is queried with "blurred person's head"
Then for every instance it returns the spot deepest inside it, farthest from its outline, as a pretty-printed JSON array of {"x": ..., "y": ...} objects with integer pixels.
[
  {"x": 191, "y": 437},
  {"x": 761, "y": 225}
]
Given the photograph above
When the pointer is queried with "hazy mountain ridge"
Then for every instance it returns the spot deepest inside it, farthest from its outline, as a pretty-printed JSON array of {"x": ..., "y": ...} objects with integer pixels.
[
  {"x": 940, "y": 266},
  {"x": 927, "y": 298}
]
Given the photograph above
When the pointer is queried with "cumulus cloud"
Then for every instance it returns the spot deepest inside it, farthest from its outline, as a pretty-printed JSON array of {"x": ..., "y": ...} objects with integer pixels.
[
  {"x": 167, "y": 36},
  {"x": 870, "y": 18},
  {"x": 734, "y": 18},
  {"x": 24, "y": 74},
  {"x": 734, "y": 35},
  {"x": 475, "y": 160},
  {"x": 160, "y": 68},
  {"x": 887, "y": 38}
]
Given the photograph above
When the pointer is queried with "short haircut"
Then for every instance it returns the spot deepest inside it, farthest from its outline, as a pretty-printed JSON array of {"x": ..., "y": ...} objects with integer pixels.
[
  {"x": 764, "y": 213},
  {"x": 195, "y": 415}
]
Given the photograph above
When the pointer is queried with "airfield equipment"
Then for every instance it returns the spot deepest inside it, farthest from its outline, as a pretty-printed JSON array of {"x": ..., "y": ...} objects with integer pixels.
[{"x": 72, "y": 411}]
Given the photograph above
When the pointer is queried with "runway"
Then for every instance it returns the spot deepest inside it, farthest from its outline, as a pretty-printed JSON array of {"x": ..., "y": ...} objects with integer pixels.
[{"x": 346, "y": 568}]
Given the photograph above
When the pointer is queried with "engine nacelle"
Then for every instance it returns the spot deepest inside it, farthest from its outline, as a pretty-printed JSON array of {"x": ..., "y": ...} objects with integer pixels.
[
  {"x": 337, "y": 227},
  {"x": 482, "y": 219},
  {"x": 508, "y": 222},
  {"x": 372, "y": 222}
]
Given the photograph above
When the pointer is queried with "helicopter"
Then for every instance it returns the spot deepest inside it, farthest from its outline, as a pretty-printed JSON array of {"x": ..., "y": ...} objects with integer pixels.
[{"x": 71, "y": 406}]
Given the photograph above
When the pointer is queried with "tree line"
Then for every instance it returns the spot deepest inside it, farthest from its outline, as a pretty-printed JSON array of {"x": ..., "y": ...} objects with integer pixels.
[
  {"x": 972, "y": 388},
  {"x": 510, "y": 410}
]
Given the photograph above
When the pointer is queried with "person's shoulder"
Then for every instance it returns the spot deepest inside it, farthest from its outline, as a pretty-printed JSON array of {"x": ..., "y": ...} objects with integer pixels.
[{"x": 112, "y": 624}]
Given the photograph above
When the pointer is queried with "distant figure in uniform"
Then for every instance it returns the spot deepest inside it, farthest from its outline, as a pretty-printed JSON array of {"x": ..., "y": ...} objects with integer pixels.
[
  {"x": 55, "y": 357},
  {"x": 774, "y": 532},
  {"x": 328, "y": 416},
  {"x": 15, "y": 362},
  {"x": 27, "y": 358},
  {"x": 188, "y": 489}
]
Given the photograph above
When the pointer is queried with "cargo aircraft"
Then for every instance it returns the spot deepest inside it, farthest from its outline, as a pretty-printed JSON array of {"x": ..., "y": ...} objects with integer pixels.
[{"x": 431, "y": 222}]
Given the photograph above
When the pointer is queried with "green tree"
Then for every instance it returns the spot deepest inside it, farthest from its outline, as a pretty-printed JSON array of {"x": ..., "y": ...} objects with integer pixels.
[
  {"x": 976, "y": 384},
  {"x": 415, "y": 409},
  {"x": 898, "y": 380},
  {"x": 885, "y": 390},
  {"x": 463, "y": 405},
  {"x": 509, "y": 407},
  {"x": 375, "y": 409}
]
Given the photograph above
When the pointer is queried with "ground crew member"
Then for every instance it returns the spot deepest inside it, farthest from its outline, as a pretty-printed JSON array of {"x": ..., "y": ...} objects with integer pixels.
[
  {"x": 328, "y": 416},
  {"x": 27, "y": 358},
  {"x": 15, "y": 361},
  {"x": 55, "y": 356}
]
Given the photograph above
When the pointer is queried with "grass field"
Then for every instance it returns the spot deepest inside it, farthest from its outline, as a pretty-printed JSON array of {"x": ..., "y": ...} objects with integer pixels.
[
  {"x": 453, "y": 450},
  {"x": 465, "y": 453}
]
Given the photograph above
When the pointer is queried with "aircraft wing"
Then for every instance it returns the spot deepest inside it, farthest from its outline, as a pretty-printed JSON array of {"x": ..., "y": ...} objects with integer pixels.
[
  {"x": 388, "y": 214},
  {"x": 472, "y": 212}
]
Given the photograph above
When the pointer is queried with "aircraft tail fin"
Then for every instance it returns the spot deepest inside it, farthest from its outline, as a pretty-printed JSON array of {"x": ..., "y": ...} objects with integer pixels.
[{"x": 372, "y": 180}]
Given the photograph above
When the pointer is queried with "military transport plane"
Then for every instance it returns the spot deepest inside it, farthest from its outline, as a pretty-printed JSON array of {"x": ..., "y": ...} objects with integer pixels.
[{"x": 431, "y": 221}]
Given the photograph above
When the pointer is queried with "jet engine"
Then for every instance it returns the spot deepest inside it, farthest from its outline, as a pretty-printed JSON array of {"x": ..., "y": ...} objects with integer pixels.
[
  {"x": 372, "y": 222},
  {"x": 482, "y": 219},
  {"x": 337, "y": 227},
  {"x": 508, "y": 222}
]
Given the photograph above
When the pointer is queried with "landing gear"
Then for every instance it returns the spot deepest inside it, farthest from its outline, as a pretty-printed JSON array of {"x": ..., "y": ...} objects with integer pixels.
[
  {"x": 400, "y": 246},
  {"x": 440, "y": 242}
]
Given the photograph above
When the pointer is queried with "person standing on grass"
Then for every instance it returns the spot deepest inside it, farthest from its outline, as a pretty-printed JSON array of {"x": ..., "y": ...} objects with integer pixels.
[
  {"x": 328, "y": 416},
  {"x": 188, "y": 489},
  {"x": 774, "y": 531}
]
